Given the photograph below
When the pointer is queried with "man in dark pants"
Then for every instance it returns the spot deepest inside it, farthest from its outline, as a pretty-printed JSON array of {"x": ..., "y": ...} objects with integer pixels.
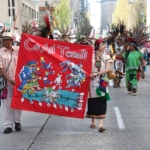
[
  {"x": 148, "y": 52},
  {"x": 148, "y": 57}
]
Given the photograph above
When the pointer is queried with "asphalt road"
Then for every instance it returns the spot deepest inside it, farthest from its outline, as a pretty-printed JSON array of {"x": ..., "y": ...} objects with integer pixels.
[{"x": 127, "y": 126}]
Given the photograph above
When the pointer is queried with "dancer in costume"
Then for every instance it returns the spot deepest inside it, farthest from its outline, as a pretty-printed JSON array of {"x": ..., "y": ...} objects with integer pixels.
[
  {"x": 134, "y": 58},
  {"x": 119, "y": 64},
  {"x": 83, "y": 40},
  {"x": 116, "y": 41},
  {"x": 65, "y": 38},
  {"x": 46, "y": 30},
  {"x": 98, "y": 91}
]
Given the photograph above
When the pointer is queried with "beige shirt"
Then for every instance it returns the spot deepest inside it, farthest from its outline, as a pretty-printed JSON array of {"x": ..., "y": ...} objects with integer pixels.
[
  {"x": 5, "y": 56},
  {"x": 95, "y": 82}
]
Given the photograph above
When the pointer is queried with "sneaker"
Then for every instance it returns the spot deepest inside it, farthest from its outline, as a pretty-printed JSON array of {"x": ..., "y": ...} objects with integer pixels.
[
  {"x": 17, "y": 126},
  {"x": 8, "y": 130}
]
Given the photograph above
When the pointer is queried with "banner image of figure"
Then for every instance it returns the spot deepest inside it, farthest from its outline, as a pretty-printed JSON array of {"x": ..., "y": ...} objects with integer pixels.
[{"x": 52, "y": 77}]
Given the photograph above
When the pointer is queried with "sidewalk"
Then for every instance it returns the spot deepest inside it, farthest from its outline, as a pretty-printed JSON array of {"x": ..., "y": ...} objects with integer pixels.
[{"x": 32, "y": 123}]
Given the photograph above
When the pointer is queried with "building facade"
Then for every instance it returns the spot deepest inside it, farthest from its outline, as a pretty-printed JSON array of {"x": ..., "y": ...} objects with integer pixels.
[
  {"x": 48, "y": 6},
  {"x": 16, "y": 12},
  {"x": 106, "y": 11},
  {"x": 83, "y": 6},
  {"x": 148, "y": 15}
]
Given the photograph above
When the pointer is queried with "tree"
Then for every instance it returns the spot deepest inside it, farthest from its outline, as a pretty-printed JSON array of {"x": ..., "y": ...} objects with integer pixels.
[
  {"x": 62, "y": 17},
  {"x": 121, "y": 12},
  {"x": 84, "y": 26},
  {"x": 133, "y": 14},
  {"x": 139, "y": 12}
]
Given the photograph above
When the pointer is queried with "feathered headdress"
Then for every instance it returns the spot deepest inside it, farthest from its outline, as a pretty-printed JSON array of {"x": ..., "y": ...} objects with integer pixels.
[
  {"x": 47, "y": 22},
  {"x": 138, "y": 36},
  {"x": 117, "y": 31},
  {"x": 46, "y": 29},
  {"x": 30, "y": 27},
  {"x": 113, "y": 34}
]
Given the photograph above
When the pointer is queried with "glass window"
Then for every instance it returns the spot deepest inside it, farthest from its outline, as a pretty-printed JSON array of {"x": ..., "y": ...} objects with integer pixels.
[
  {"x": 13, "y": 3},
  {"x": 26, "y": 11},
  {"x": 37, "y": 15},
  {"x": 9, "y": 14},
  {"x": 32, "y": 13},
  {"x": 8, "y": 3},
  {"x": 13, "y": 12}
]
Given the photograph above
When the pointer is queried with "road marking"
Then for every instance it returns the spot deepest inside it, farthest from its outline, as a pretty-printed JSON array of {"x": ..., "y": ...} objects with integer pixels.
[{"x": 119, "y": 118}]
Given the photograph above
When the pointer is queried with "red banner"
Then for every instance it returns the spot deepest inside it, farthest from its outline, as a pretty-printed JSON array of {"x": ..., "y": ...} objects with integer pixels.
[{"x": 52, "y": 77}]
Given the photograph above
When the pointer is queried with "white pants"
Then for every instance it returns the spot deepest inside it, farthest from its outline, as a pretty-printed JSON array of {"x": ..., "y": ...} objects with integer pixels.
[{"x": 11, "y": 115}]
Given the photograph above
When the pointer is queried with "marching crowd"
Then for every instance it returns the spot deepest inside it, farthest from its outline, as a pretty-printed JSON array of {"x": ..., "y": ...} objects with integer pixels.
[{"x": 128, "y": 53}]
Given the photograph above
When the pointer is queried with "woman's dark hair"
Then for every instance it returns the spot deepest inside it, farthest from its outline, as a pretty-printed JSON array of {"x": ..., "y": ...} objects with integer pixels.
[
  {"x": 44, "y": 32},
  {"x": 96, "y": 46},
  {"x": 51, "y": 36},
  {"x": 64, "y": 35}
]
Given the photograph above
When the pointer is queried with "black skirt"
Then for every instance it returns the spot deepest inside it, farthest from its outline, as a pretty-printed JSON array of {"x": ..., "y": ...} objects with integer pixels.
[{"x": 97, "y": 108}]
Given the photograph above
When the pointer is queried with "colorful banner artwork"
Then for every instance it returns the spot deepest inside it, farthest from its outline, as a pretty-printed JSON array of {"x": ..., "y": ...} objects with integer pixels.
[{"x": 52, "y": 77}]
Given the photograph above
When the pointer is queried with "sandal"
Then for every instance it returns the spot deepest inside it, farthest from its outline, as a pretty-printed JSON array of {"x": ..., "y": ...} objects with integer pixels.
[
  {"x": 101, "y": 129},
  {"x": 92, "y": 126}
]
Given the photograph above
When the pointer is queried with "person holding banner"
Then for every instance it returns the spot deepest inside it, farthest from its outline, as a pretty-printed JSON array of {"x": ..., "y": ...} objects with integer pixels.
[
  {"x": 83, "y": 41},
  {"x": 98, "y": 91},
  {"x": 8, "y": 61},
  {"x": 65, "y": 38}
]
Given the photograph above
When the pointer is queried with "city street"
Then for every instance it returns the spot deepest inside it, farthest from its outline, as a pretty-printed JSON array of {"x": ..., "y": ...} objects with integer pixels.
[
  {"x": 127, "y": 126},
  {"x": 49, "y": 53}
]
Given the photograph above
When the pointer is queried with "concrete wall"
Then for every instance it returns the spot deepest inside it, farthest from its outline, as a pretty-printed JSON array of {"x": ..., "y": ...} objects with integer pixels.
[{"x": 4, "y": 12}]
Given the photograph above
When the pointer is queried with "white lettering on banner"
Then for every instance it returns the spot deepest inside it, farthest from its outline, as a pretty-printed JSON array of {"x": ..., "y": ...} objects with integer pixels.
[
  {"x": 50, "y": 50},
  {"x": 34, "y": 48},
  {"x": 64, "y": 51},
  {"x": 62, "y": 48},
  {"x": 82, "y": 55}
]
